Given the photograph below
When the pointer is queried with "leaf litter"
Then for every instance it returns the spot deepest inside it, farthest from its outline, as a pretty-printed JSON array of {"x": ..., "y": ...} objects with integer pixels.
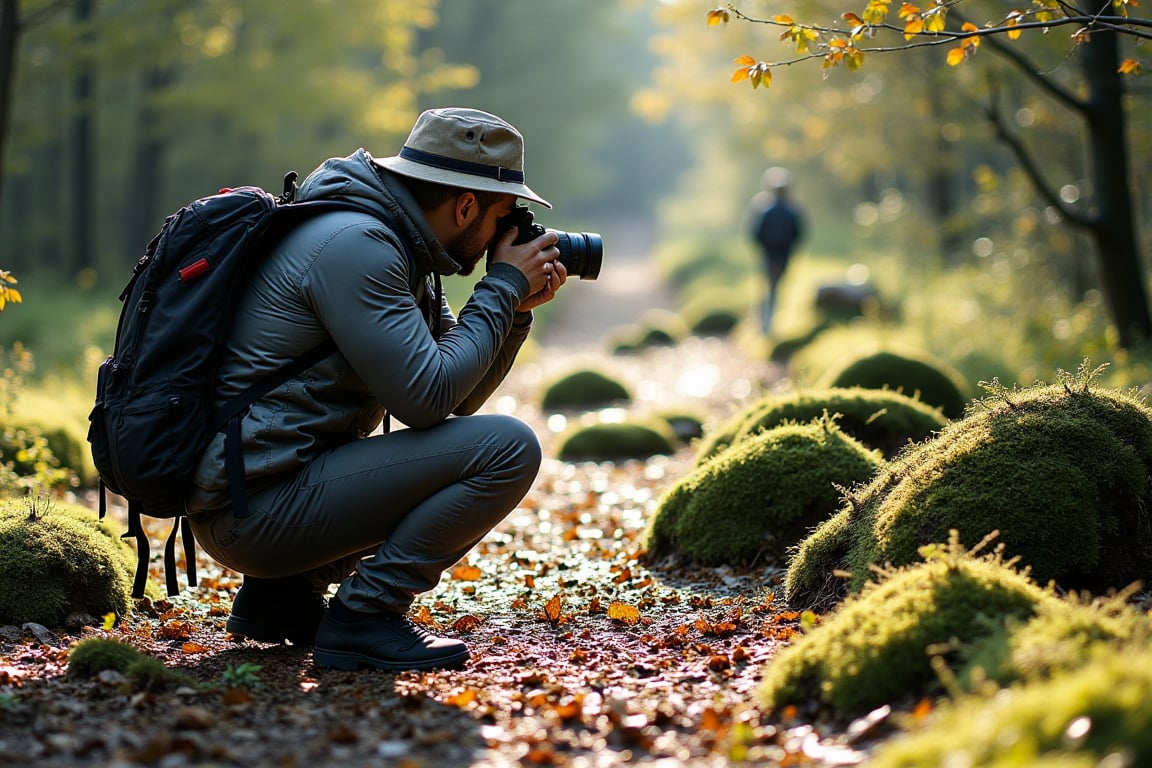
[{"x": 583, "y": 654}]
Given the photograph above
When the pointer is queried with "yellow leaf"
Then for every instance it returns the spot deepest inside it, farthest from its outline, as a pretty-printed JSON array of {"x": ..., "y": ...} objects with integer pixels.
[
  {"x": 855, "y": 59},
  {"x": 745, "y": 61},
  {"x": 852, "y": 18},
  {"x": 782, "y": 19},
  {"x": 717, "y": 17},
  {"x": 623, "y": 613},
  {"x": 914, "y": 27},
  {"x": 740, "y": 74},
  {"x": 908, "y": 10},
  {"x": 14, "y": 295},
  {"x": 1129, "y": 67},
  {"x": 934, "y": 19},
  {"x": 109, "y": 621},
  {"x": 876, "y": 11},
  {"x": 955, "y": 56}
]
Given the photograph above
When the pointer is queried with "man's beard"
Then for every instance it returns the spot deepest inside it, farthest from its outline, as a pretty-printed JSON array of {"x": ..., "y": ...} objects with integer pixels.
[{"x": 466, "y": 249}]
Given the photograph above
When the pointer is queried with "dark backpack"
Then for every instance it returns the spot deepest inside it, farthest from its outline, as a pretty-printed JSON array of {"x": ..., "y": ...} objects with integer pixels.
[{"x": 154, "y": 414}]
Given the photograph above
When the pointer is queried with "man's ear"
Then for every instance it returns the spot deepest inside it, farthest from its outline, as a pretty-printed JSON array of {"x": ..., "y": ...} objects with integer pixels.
[{"x": 466, "y": 207}]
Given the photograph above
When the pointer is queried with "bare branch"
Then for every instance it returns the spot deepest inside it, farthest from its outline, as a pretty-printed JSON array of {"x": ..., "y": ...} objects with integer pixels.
[{"x": 1028, "y": 163}]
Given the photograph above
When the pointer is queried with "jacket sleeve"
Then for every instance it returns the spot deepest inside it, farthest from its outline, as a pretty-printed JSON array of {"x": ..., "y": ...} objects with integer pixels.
[{"x": 360, "y": 287}]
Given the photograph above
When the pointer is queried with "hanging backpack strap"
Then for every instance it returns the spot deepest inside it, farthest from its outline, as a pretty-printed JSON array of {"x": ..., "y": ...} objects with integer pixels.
[
  {"x": 227, "y": 418},
  {"x": 136, "y": 531},
  {"x": 179, "y": 525}
]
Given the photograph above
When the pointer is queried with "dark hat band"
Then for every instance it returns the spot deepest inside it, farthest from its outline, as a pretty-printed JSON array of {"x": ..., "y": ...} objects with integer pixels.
[{"x": 461, "y": 166}]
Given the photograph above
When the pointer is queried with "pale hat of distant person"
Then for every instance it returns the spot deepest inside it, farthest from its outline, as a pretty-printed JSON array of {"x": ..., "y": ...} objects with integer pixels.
[
  {"x": 776, "y": 178},
  {"x": 464, "y": 148}
]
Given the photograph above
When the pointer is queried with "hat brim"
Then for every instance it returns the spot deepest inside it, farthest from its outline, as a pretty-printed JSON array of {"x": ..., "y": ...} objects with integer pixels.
[{"x": 414, "y": 170}]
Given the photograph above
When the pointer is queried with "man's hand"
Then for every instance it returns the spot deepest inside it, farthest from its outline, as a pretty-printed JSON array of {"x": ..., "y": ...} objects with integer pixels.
[{"x": 538, "y": 260}]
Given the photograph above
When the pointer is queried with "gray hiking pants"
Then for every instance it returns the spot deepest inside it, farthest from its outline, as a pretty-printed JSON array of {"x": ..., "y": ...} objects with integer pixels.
[{"x": 385, "y": 515}]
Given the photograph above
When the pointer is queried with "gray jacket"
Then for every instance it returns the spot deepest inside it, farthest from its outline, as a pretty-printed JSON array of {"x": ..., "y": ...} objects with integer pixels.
[{"x": 365, "y": 282}]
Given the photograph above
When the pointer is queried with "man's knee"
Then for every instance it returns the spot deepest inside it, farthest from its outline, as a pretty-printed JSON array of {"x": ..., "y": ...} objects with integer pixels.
[{"x": 520, "y": 447}]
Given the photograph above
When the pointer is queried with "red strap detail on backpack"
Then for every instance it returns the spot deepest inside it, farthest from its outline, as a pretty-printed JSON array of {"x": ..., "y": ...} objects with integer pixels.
[{"x": 195, "y": 270}]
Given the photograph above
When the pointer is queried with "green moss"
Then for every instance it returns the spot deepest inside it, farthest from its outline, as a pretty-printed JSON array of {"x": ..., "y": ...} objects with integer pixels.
[
  {"x": 94, "y": 655},
  {"x": 877, "y": 647},
  {"x": 1077, "y": 718},
  {"x": 585, "y": 388},
  {"x": 881, "y": 419},
  {"x": 714, "y": 321},
  {"x": 687, "y": 424},
  {"x": 1062, "y": 636},
  {"x": 761, "y": 496},
  {"x": 632, "y": 439},
  {"x": 920, "y": 376},
  {"x": 60, "y": 562},
  {"x": 1047, "y": 467}
]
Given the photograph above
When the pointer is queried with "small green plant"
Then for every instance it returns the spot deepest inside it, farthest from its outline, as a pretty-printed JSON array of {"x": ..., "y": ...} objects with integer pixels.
[
  {"x": 94, "y": 655},
  {"x": 246, "y": 675},
  {"x": 9, "y": 701}
]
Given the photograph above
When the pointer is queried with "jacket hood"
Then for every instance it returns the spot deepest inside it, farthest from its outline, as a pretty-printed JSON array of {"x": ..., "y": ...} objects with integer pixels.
[{"x": 359, "y": 179}]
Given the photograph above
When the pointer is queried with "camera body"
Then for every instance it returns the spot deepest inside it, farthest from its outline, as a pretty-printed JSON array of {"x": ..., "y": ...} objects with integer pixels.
[{"x": 581, "y": 253}]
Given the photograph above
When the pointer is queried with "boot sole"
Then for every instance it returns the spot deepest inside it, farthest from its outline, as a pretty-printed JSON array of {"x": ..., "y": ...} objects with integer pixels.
[
  {"x": 353, "y": 661},
  {"x": 261, "y": 633}
]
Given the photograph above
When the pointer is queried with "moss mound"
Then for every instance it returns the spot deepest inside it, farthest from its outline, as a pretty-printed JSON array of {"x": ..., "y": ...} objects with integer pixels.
[
  {"x": 634, "y": 439},
  {"x": 927, "y": 379},
  {"x": 1046, "y": 466},
  {"x": 877, "y": 647},
  {"x": 1077, "y": 718},
  {"x": 714, "y": 321},
  {"x": 687, "y": 424},
  {"x": 583, "y": 389},
  {"x": 58, "y": 562},
  {"x": 142, "y": 672},
  {"x": 760, "y": 496},
  {"x": 881, "y": 419}
]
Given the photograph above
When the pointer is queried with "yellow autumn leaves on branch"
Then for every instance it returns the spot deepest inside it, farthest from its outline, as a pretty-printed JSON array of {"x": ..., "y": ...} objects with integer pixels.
[
  {"x": 918, "y": 26},
  {"x": 7, "y": 292}
]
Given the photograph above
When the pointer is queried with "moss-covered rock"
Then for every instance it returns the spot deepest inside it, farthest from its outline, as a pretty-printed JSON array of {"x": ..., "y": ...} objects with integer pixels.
[
  {"x": 142, "y": 672},
  {"x": 584, "y": 389},
  {"x": 1060, "y": 471},
  {"x": 1062, "y": 636},
  {"x": 686, "y": 423},
  {"x": 761, "y": 496},
  {"x": 629, "y": 439},
  {"x": 923, "y": 377},
  {"x": 58, "y": 562},
  {"x": 876, "y": 648},
  {"x": 882, "y": 419},
  {"x": 714, "y": 321},
  {"x": 1081, "y": 717}
]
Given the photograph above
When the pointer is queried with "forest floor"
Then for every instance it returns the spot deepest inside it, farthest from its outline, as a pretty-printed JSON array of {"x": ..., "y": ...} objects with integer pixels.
[{"x": 583, "y": 653}]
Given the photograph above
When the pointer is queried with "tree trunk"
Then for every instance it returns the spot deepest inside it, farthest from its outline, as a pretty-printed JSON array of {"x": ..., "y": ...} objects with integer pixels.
[
  {"x": 1114, "y": 227},
  {"x": 9, "y": 40},
  {"x": 82, "y": 140},
  {"x": 144, "y": 193}
]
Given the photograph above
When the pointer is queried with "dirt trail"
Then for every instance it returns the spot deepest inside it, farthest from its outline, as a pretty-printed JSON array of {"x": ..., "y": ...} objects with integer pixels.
[{"x": 588, "y": 312}]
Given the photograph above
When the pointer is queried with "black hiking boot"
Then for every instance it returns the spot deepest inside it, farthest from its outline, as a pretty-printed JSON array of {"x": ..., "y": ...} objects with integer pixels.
[
  {"x": 276, "y": 610},
  {"x": 350, "y": 640}
]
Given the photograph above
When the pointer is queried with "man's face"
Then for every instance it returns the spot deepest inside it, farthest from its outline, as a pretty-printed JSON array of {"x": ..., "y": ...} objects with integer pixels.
[{"x": 467, "y": 248}]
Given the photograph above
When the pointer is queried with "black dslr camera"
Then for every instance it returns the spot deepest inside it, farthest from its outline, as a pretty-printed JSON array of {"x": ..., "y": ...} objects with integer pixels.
[{"x": 580, "y": 252}]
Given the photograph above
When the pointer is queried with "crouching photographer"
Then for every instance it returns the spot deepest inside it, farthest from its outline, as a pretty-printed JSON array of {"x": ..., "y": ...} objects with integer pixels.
[{"x": 325, "y": 500}]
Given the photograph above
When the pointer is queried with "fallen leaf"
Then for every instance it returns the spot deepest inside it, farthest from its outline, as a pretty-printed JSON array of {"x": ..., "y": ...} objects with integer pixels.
[{"x": 623, "y": 613}]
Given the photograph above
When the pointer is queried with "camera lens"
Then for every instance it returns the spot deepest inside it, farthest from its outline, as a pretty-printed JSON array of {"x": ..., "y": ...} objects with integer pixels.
[{"x": 581, "y": 253}]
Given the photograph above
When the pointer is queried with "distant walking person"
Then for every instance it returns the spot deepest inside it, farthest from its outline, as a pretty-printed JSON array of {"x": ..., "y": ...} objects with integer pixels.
[{"x": 777, "y": 226}]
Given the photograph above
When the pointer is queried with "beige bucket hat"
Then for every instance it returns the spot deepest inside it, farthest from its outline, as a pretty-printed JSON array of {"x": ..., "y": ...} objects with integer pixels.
[{"x": 464, "y": 148}]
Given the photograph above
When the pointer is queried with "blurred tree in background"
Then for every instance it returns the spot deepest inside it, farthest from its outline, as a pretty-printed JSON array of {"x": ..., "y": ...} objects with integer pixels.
[{"x": 931, "y": 139}]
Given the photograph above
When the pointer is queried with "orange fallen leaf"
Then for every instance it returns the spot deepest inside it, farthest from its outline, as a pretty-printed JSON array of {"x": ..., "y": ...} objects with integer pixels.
[
  {"x": 624, "y": 613},
  {"x": 466, "y": 573},
  {"x": 191, "y": 647},
  {"x": 552, "y": 609}
]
